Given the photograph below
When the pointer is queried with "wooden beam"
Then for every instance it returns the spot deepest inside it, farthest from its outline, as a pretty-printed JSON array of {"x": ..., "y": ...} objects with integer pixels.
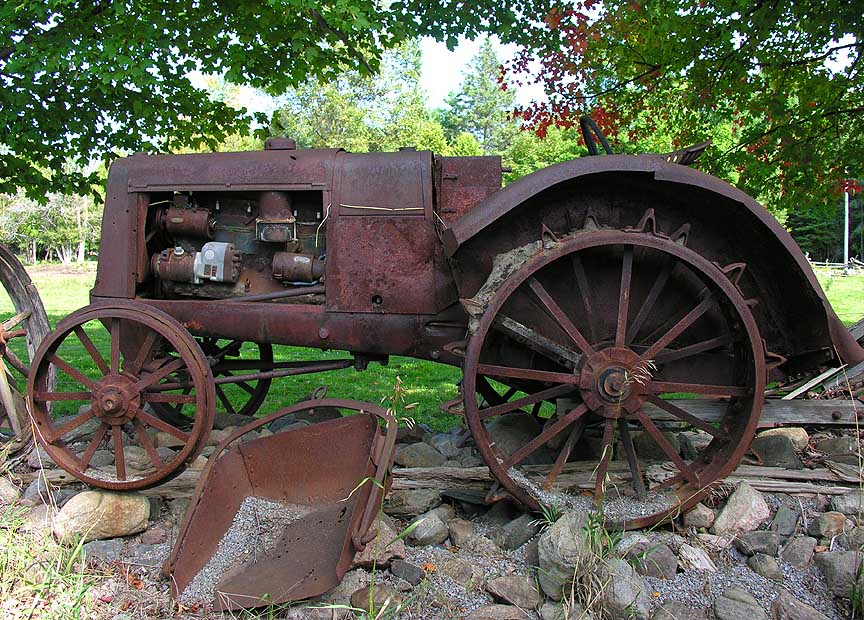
[{"x": 775, "y": 412}]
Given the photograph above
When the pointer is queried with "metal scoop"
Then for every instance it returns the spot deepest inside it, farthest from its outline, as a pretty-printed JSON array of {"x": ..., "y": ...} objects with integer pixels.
[{"x": 237, "y": 554}]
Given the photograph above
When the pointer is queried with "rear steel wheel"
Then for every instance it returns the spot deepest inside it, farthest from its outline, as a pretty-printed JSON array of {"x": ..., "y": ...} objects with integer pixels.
[
  {"x": 611, "y": 326},
  {"x": 111, "y": 364},
  {"x": 23, "y": 325}
]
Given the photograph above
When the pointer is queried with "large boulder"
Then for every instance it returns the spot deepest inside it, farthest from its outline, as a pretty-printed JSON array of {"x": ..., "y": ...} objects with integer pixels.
[
  {"x": 517, "y": 590},
  {"x": 96, "y": 515},
  {"x": 418, "y": 454},
  {"x": 653, "y": 560},
  {"x": 738, "y": 604},
  {"x": 852, "y": 503},
  {"x": 560, "y": 549},
  {"x": 411, "y": 502},
  {"x": 841, "y": 571},
  {"x": 776, "y": 451},
  {"x": 677, "y": 610},
  {"x": 384, "y": 548},
  {"x": 511, "y": 431},
  {"x": 745, "y": 510},
  {"x": 624, "y": 595},
  {"x": 760, "y": 541},
  {"x": 430, "y": 528},
  {"x": 516, "y": 533},
  {"x": 699, "y": 516},
  {"x": 840, "y": 449},
  {"x": 799, "y": 551},
  {"x": 795, "y": 434},
  {"x": 787, "y": 607}
]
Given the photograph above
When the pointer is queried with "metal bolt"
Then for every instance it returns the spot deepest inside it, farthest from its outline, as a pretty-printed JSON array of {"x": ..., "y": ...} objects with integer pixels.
[{"x": 323, "y": 333}]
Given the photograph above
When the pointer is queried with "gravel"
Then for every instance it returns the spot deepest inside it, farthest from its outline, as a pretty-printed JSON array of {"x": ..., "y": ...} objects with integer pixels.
[{"x": 257, "y": 526}]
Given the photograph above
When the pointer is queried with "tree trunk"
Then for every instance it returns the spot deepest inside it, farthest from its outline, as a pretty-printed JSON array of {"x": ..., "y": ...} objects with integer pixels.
[{"x": 82, "y": 247}]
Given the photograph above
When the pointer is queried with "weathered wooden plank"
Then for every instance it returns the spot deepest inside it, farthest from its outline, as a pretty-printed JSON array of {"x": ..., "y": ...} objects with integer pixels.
[{"x": 775, "y": 412}]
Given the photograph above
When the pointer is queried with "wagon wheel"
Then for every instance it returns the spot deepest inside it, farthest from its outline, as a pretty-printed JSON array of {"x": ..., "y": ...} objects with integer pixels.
[
  {"x": 227, "y": 359},
  {"x": 110, "y": 363},
  {"x": 644, "y": 317},
  {"x": 23, "y": 325}
]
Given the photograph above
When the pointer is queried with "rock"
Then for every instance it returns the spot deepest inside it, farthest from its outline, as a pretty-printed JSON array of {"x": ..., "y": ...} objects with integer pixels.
[
  {"x": 461, "y": 571},
  {"x": 418, "y": 454},
  {"x": 214, "y": 439},
  {"x": 449, "y": 445},
  {"x": 460, "y": 530},
  {"x": 559, "y": 550},
  {"x": 482, "y": 546},
  {"x": 411, "y": 502},
  {"x": 102, "y": 458},
  {"x": 39, "y": 519},
  {"x": 841, "y": 449},
  {"x": 373, "y": 599},
  {"x": 692, "y": 443},
  {"x": 699, "y": 516},
  {"x": 625, "y": 594},
  {"x": 760, "y": 541},
  {"x": 317, "y": 414},
  {"x": 629, "y": 540},
  {"x": 799, "y": 551},
  {"x": 496, "y": 612},
  {"x": 85, "y": 430},
  {"x": 106, "y": 551},
  {"x": 9, "y": 493},
  {"x": 378, "y": 552},
  {"x": 717, "y": 543},
  {"x": 38, "y": 458},
  {"x": 351, "y": 582},
  {"x": 787, "y": 607},
  {"x": 558, "y": 611},
  {"x": 785, "y": 521},
  {"x": 745, "y": 510},
  {"x": 796, "y": 435},
  {"x": 517, "y": 590},
  {"x": 840, "y": 569},
  {"x": 286, "y": 424},
  {"x": 828, "y": 525},
  {"x": 429, "y": 529},
  {"x": 852, "y": 503},
  {"x": 407, "y": 571},
  {"x": 96, "y": 515},
  {"x": 676, "y": 610},
  {"x": 136, "y": 458},
  {"x": 409, "y": 434},
  {"x": 738, "y": 604},
  {"x": 39, "y": 492},
  {"x": 653, "y": 560},
  {"x": 177, "y": 508},
  {"x": 511, "y": 431},
  {"x": 532, "y": 552},
  {"x": 223, "y": 419},
  {"x": 766, "y": 566},
  {"x": 500, "y": 514},
  {"x": 647, "y": 448},
  {"x": 470, "y": 458},
  {"x": 164, "y": 440},
  {"x": 855, "y": 538},
  {"x": 516, "y": 533},
  {"x": 776, "y": 451},
  {"x": 694, "y": 558},
  {"x": 154, "y": 536}
]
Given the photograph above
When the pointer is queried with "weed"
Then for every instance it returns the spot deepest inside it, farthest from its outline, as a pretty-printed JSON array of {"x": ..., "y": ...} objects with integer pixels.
[
  {"x": 550, "y": 514},
  {"x": 856, "y": 593}
]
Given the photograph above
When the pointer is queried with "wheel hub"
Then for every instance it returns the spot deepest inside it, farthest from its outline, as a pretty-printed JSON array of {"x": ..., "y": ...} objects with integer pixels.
[
  {"x": 115, "y": 399},
  {"x": 612, "y": 382}
]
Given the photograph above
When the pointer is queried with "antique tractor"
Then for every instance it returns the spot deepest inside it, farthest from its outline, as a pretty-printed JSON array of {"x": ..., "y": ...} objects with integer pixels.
[{"x": 588, "y": 301}]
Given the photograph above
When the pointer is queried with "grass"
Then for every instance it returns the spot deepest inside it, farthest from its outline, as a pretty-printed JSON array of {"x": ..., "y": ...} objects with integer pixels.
[{"x": 845, "y": 292}]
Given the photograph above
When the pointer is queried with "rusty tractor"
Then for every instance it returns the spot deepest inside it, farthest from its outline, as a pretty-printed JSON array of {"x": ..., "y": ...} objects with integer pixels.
[{"x": 588, "y": 300}]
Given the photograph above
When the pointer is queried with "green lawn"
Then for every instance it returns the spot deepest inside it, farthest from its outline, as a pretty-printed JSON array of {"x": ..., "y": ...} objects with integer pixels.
[{"x": 65, "y": 290}]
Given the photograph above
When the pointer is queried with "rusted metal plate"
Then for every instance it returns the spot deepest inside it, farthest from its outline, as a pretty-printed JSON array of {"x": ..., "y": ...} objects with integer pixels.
[{"x": 463, "y": 182}]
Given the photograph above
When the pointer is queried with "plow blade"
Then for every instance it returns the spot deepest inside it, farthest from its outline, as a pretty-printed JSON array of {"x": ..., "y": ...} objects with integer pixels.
[{"x": 279, "y": 518}]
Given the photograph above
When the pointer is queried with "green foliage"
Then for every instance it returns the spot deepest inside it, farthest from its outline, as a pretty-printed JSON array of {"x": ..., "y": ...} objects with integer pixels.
[
  {"x": 756, "y": 77},
  {"x": 95, "y": 80},
  {"x": 481, "y": 106}
]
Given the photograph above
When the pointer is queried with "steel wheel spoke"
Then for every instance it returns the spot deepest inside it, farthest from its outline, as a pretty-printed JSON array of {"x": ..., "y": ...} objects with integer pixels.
[
  {"x": 160, "y": 374},
  {"x": 688, "y": 320},
  {"x": 566, "y": 449},
  {"x": 585, "y": 290},
  {"x": 220, "y": 393},
  {"x": 71, "y": 425},
  {"x": 527, "y": 373},
  {"x": 632, "y": 460},
  {"x": 119, "y": 457},
  {"x": 683, "y": 415},
  {"x": 606, "y": 456},
  {"x": 72, "y": 372},
  {"x": 115, "y": 345},
  {"x": 650, "y": 300},
  {"x": 159, "y": 397},
  {"x": 143, "y": 353},
  {"x": 145, "y": 442},
  {"x": 531, "y": 399},
  {"x": 547, "y": 434},
  {"x": 160, "y": 425},
  {"x": 624, "y": 297},
  {"x": 246, "y": 387},
  {"x": 558, "y": 314},
  {"x": 94, "y": 444},
  {"x": 44, "y": 397},
  {"x": 666, "y": 387},
  {"x": 694, "y": 349},
  {"x": 664, "y": 445},
  {"x": 92, "y": 350}
]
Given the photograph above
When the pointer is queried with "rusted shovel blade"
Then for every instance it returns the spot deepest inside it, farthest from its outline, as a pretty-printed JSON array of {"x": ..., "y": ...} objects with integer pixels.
[{"x": 279, "y": 518}]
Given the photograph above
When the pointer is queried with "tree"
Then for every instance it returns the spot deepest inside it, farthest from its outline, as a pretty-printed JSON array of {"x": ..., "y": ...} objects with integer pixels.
[
  {"x": 91, "y": 80},
  {"x": 777, "y": 85},
  {"x": 482, "y": 105}
]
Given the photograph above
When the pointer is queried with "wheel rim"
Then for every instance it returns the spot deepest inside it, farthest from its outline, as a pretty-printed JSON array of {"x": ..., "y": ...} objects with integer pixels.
[
  {"x": 110, "y": 364},
  {"x": 555, "y": 331}
]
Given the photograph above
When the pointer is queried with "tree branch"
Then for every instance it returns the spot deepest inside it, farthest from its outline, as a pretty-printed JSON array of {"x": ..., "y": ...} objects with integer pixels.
[{"x": 322, "y": 23}]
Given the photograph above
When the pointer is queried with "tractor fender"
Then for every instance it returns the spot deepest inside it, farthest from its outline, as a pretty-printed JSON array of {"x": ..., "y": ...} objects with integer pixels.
[{"x": 725, "y": 225}]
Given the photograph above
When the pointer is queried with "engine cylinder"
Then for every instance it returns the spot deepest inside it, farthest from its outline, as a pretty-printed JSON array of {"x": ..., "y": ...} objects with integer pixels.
[{"x": 297, "y": 267}]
